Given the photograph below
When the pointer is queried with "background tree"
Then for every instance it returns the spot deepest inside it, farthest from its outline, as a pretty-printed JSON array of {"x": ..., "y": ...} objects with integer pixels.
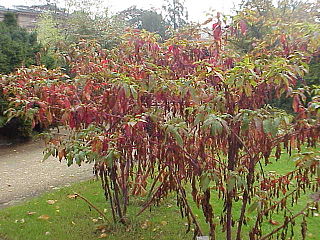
[
  {"x": 260, "y": 22},
  {"x": 51, "y": 38},
  {"x": 81, "y": 19},
  {"x": 48, "y": 32},
  {"x": 175, "y": 13},
  {"x": 17, "y": 46},
  {"x": 149, "y": 20}
]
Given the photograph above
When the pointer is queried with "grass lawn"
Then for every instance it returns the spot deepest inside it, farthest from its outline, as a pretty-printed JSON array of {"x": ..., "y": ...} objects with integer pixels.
[{"x": 66, "y": 218}]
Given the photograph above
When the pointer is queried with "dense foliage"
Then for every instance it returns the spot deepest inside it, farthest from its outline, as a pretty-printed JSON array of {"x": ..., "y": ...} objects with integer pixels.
[{"x": 157, "y": 118}]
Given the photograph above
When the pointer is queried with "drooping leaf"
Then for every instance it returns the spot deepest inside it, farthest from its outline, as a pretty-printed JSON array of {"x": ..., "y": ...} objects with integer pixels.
[
  {"x": 253, "y": 207},
  {"x": 204, "y": 182}
]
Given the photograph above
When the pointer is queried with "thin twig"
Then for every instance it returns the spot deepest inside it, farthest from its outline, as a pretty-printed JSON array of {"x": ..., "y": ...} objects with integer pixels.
[
  {"x": 77, "y": 195},
  {"x": 188, "y": 206},
  {"x": 110, "y": 198},
  {"x": 248, "y": 151},
  {"x": 265, "y": 237},
  {"x": 246, "y": 197}
]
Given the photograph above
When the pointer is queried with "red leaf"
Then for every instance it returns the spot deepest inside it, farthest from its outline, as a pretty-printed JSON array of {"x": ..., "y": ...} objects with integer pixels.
[
  {"x": 296, "y": 103},
  {"x": 273, "y": 222},
  {"x": 283, "y": 39},
  {"x": 243, "y": 27},
  {"x": 217, "y": 32}
]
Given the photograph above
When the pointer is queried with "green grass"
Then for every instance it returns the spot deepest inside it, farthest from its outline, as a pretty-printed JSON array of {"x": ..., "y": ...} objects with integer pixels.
[{"x": 72, "y": 219}]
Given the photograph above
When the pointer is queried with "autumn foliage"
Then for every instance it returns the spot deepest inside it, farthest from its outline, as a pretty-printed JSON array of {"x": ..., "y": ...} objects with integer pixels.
[{"x": 157, "y": 118}]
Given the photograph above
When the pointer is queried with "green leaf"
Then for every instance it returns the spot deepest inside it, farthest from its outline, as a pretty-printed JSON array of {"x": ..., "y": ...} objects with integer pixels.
[
  {"x": 271, "y": 126},
  {"x": 245, "y": 122},
  {"x": 77, "y": 159},
  {"x": 253, "y": 207},
  {"x": 216, "y": 127},
  {"x": 69, "y": 160},
  {"x": 46, "y": 156},
  {"x": 3, "y": 121},
  {"x": 267, "y": 125},
  {"x": 231, "y": 183},
  {"x": 247, "y": 89},
  {"x": 286, "y": 120},
  {"x": 177, "y": 136},
  {"x": 134, "y": 92},
  {"x": 204, "y": 182},
  {"x": 126, "y": 90},
  {"x": 241, "y": 183},
  {"x": 110, "y": 157},
  {"x": 198, "y": 118}
]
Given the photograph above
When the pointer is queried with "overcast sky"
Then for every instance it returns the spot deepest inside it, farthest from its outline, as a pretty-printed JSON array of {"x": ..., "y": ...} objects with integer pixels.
[{"x": 196, "y": 8}]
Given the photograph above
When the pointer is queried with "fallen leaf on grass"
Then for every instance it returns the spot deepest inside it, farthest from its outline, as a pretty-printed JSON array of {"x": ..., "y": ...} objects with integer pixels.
[
  {"x": 315, "y": 196},
  {"x": 44, "y": 217},
  {"x": 101, "y": 227},
  {"x": 163, "y": 223},
  {"x": 51, "y": 202},
  {"x": 20, "y": 221},
  {"x": 129, "y": 228},
  {"x": 273, "y": 222},
  {"x": 72, "y": 196},
  {"x": 103, "y": 235},
  {"x": 146, "y": 224},
  {"x": 31, "y": 213}
]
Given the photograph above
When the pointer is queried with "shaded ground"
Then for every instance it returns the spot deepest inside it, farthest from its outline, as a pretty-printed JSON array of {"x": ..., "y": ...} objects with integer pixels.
[{"x": 23, "y": 175}]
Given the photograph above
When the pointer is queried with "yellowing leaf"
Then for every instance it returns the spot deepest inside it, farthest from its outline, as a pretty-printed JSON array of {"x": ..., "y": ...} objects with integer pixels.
[
  {"x": 31, "y": 213},
  {"x": 204, "y": 182},
  {"x": 44, "y": 217},
  {"x": 146, "y": 224},
  {"x": 273, "y": 222},
  {"x": 164, "y": 223},
  {"x": 72, "y": 196},
  {"x": 253, "y": 207},
  {"x": 51, "y": 202},
  {"x": 101, "y": 227},
  {"x": 103, "y": 235}
]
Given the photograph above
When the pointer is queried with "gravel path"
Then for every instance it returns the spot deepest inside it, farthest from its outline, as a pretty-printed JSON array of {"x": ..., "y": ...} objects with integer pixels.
[{"x": 23, "y": 175}]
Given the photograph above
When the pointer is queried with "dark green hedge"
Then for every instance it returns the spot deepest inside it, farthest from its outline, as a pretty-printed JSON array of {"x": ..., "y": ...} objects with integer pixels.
[{"x": 17, "y": 46}]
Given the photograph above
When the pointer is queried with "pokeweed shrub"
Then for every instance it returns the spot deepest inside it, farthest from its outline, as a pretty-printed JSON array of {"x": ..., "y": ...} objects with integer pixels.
[{"x": 157, "y": 118}]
